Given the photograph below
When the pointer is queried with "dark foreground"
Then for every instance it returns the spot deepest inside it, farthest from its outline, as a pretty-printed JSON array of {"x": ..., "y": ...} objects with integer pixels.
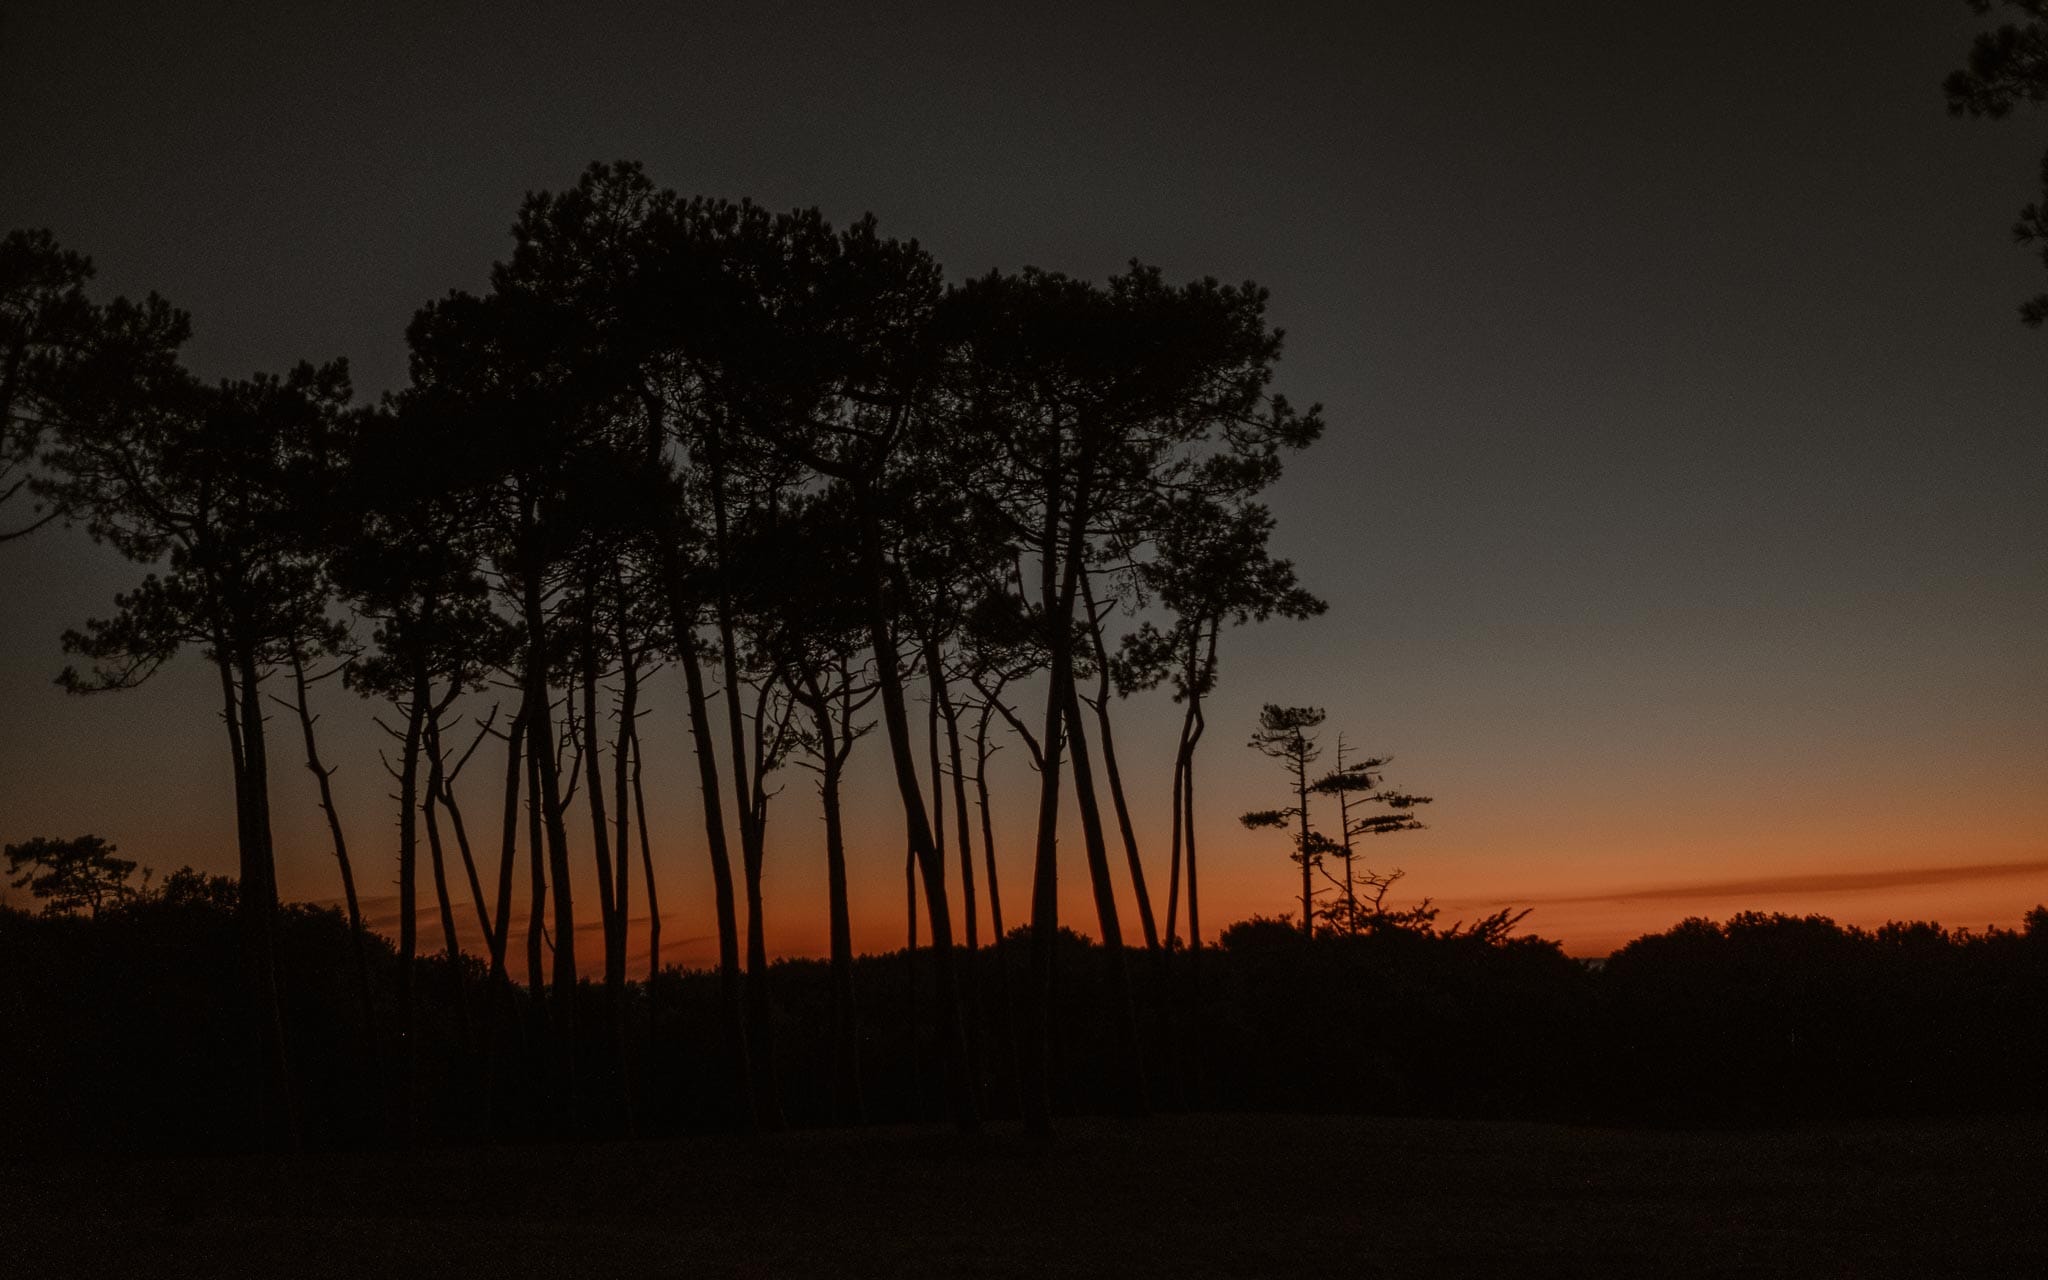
[{"x": 1179, "y": 1196}]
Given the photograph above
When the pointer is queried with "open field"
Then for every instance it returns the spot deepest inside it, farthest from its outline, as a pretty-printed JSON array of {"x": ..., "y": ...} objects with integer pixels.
[{"x": 1176, "y": 1195}]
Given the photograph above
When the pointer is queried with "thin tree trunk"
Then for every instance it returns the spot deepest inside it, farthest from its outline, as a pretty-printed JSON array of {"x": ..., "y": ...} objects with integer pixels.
[
  {"x": 1036, "y": 1088},
  {"x": 1308, "y": 884},
  {"x": 408, "y": 898},
  {"x": 498, "y": 998},
  {"x": 358, "y": 947},
  {"x": 970, "y": 981},
  {"x": 1005, "y": 1016},
  {"x": 1188, "y": 791},
  {"x": 613, "y": 926},
  {"x": 988, "y": 833},
  {"x": 593, "y": 786},
  {"x": 1344, "y": 826},
  {"x": 1132, "y": 1083},
  {"x": 846, "y": 1092},
  {"x": 541, "y": 745},
  {"x": 453, "y": 945},
  {"x": 629, "y": 698},
  {"x": 683, "y": 625},
  {"x": 729, "y": 990},
  {"x": 760, "y": 1008},
  {"x": 256, "y": 905},
  {"x": 1180, "y": 769},
  {"x": 647, "y": 866},
  {"x": 896, "y": 719},
  {"x": 1112, "y": 774},
  {"x": 536, "y": 919},
  {"x": 767, "y": 1106},
  {"x": 509, "y": 846},
  {"x": 969, "y": 925}
]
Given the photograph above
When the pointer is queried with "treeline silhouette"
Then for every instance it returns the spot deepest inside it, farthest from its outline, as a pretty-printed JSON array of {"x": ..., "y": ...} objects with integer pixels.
[
  {"x": 117, "y": 1022},
  {"x": 838, "y": 494},
  {"x": 789, "y": 459}
]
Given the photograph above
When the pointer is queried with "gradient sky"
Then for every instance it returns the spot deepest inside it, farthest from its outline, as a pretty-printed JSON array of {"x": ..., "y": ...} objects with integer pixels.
[{"x": 1684, "y": 511}]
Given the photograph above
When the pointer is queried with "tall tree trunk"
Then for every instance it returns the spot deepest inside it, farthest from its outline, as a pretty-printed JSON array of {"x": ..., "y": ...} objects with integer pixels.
[
  {"x": 731, "y": 1002},
  {"x": 629, "y": 698},
  {"x": 1056, "y": 588},
  {"x": 846, "y": 1093},
  {"x": 970, "y": 983},
  {"x": 1188, "y": 790},
  {"x": 408, "y": 898},
  {"x": 760, "y": 1011},
  {"x": 1006, "y": 1012},
  {"x": 683, "y": 625},
  {"x": 498, "y": 1001},
  {"x": 593, "y": 786},
  {"x": 647, "y": 866},
  {"x": 508, "y": 848},
  {"x": 1132, "y": 1084},
  {"x": 613, "y": 926},
  {"x": 358, "y": 946},
  {"x": 950, "y": 715},
  {"x": 1308, "y": 884},
  {"x": 541, "y": 745},
  {"x": 896, "y": 719},
  {"x": 537, "y": 897},
  {"x": 1180, "y": 772},
  {"x": 1344, "y": 826},
  {"x": 256, "y": 903},
  {"x": 767, "y": 1105},
  {"x": 453, "y": 944},
  {"x": 988, "y": 831},
  {"x": 1111, "y": 772}
]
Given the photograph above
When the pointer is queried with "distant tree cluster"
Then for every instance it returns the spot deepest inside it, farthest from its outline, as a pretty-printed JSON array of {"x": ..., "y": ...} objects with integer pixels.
[
  {"x": 791, "y": 460},
  {"x": 71, "y": 875},
  {"x": 1358, "y": 893}
]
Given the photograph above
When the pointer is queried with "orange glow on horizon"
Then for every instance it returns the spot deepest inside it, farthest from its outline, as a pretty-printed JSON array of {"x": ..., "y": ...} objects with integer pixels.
[{"x": 1591, "y": 921}]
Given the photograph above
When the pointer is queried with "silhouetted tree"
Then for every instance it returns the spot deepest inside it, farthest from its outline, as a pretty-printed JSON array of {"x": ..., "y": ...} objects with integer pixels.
[
  {"x": 1283, "y": 734},
  {"x": 65, "y": 875},
  {"x": 1358, "y": 784},
  {"x": 204, "y": 481},
  {"x": 822, "y": 350},
  {"x": 1094, "y": 403},
  {"x": 805, "y": 618},
  {"x": 1212, "y": 566}
]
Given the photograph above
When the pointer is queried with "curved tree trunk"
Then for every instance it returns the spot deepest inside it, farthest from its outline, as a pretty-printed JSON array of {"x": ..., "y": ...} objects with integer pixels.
[
  {"x": 1112, "y": 774},
  {"x": 683, "y": 626},
  {"x": 452, "y": 944},
  {"x": 1131, "y": 1086},
  {"x": 923, "y": 849},
  {"x": 358, "y": 945}
]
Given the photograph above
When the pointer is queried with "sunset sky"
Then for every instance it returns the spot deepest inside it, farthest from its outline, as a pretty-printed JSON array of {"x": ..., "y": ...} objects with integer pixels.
[{"x": 1683, "y": 512}]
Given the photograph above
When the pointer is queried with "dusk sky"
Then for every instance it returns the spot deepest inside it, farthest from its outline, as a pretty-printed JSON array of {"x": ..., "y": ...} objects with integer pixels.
[{"x": 1683, "y": 511}]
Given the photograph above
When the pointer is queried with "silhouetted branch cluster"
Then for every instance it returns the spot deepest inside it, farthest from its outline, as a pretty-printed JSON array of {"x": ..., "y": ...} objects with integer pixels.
[{"x": 791, "y": 460}]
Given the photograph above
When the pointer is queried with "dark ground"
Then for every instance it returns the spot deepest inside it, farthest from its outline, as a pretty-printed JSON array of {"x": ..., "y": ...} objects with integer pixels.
[{"x": 1176, "y": 1195}]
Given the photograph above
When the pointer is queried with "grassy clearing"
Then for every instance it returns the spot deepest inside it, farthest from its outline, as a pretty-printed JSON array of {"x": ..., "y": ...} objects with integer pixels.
[{"x": 1176, "y": 1195}]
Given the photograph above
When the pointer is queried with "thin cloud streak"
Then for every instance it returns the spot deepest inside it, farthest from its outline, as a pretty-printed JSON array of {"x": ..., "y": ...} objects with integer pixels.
[{"x": 1809, "y": 882}]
